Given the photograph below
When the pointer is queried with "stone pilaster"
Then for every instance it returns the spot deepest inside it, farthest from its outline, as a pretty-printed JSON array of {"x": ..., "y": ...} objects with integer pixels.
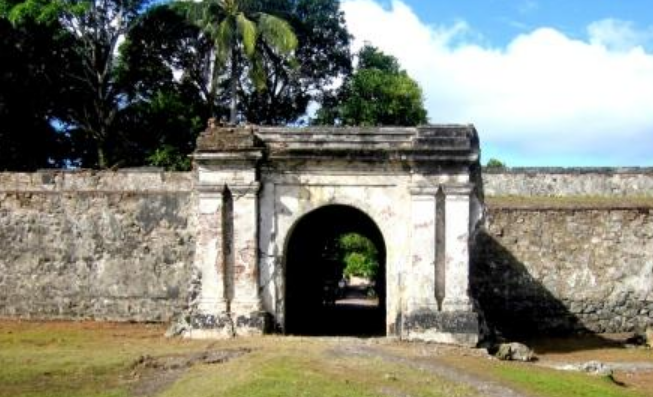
[
  {"x": 211, "y": 317},
  {"x": 456, "y": 272},
  {"x": 456, "y": 323},
  {"x": 246, "y": 305},
  {"x": 226, "y": 163},
  {"x": 421, "y": 275}
]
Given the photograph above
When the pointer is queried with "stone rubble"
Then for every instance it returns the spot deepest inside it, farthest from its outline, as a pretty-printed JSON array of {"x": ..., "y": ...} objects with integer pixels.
[{"x": 515, "y": 351}]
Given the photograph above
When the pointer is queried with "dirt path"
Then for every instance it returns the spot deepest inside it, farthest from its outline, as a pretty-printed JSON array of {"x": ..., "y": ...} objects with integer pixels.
[
  {"x": 485, "y": 388},
  {"x": 616, "y": 366},
  {"x": 150, "y": 375}
]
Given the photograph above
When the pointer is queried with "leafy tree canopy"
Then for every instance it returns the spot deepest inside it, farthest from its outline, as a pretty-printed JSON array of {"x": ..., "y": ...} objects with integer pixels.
[
  {"x": 371, "y": 57},
  {"x": 495, "y": 163},
  {"x": 239, "y": 30},
  {"x": 95, "y": 28},
  {"x": 322, "y": 57},
  {"x": 112, "y": 83},
  {"x": 32, "y": 89},
  {"x": 377, "y": 93},
  {"x": 359, "y": 255}
]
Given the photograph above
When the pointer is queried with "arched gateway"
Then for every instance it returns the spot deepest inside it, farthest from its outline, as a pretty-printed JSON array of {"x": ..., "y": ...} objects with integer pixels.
[
  {"x": 267, "y": 195},
  {"x": 310, "y": 270}
]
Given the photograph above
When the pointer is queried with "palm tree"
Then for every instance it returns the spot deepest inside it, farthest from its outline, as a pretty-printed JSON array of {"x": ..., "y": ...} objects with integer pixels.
[{"x": 236, "y": 29}]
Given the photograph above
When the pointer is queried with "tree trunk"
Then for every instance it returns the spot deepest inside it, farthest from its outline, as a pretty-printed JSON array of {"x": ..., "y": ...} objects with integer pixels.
[
  {"x": 101, "y": 157},
  {"x": 233, "y": 114}
]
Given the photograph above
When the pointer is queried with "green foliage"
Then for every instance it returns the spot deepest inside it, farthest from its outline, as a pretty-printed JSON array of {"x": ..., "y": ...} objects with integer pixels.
[
  {"x": 170, "y": 158},
  {"x": 376, "y": 97},
  {"x": 165, "y": 113},
  {"x": 72, "y": 97},
  {"x": 371, "y": 57},
  {"x": 322, "y": 56},
  {"x": 40, "y": 11},
  {"x": 161, "y": 130},
  {"x": 378, "y": 93},
  {"x": 32, "y": 88},
  {"x": 126, "y": 110},
  {"x": 94, "y": 29},
  {"x": 495, "y": 163},
  {"x": 359, "y": 256},
  {"x": 238, "y": 30}
]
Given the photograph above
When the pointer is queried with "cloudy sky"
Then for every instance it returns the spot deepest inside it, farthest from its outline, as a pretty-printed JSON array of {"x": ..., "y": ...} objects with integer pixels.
[{"x": 546, "y": 82}]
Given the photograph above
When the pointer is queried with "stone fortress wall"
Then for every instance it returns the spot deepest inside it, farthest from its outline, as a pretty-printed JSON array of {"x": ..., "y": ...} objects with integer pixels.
[
  {"x": 566, "y": 249},
  {"x": 86, "y": 245},
  {"x": 562, "y": 248},
  {"x": 569, "y": 182}
]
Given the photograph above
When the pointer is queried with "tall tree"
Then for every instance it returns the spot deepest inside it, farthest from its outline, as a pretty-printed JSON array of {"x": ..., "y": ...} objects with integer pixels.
[
  {"x": 97, "y": 26},
  {"x": 379, "y": 92},
  {"x": 27, "y": 140},
  {"x": 322, "y": 57},
  {"x": 166, "y": 61},
  {"x": 238, "y": 29},
  {"x": 32, "y": 91},
  {"x": 157, "y": 84},
  {"x": 163, "y": 69}
]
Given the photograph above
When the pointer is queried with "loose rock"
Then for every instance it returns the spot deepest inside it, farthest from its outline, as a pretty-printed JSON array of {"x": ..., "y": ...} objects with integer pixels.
[
  {"x": 515, "y": 352},
  {"x": 596, "y": 368},
  {"x": 177, "y": 328}
]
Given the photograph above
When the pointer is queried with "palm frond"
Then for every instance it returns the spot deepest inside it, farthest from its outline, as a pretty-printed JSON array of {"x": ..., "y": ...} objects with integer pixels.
[
  {"x": 257, "y": 73},
  {"x": 248, "y": 34},
  {"x": 224, "y": 38},
  {"x": 194, "y": 12},
  {"x": 277, "y": 33}
]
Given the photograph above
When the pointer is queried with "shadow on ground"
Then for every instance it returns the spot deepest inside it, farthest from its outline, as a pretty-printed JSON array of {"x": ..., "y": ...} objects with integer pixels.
[
  {"x": 516, "y": 306},
  {"x": 354, "y": 314}
]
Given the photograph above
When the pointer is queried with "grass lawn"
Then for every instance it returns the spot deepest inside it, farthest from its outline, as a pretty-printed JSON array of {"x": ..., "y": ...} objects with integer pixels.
[{"x": 107, "y": 359}]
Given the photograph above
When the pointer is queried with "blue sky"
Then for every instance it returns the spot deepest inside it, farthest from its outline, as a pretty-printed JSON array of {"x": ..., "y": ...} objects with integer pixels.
[
  {"x": 501, "y": 20},
  {"x": 546, "y": 82}
]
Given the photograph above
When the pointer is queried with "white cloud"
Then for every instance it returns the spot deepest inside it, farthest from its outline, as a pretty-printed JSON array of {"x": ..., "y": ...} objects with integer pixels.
[
  {"x": 618, "y": 35},
  {"x": 545, "y": 96}
]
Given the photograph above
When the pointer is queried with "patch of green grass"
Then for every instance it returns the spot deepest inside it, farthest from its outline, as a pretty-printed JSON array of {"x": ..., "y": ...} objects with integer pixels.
[
  {"x": 67, "y": 360},
  {"x": 312, "y": 372},
  {"x": 75, "y": 360},
  {"x": 288, "y": 377},
  {"x": 58, "y": 368},
  {"x": 94, "y": 360},
  {"x": 552, "y": 383}
]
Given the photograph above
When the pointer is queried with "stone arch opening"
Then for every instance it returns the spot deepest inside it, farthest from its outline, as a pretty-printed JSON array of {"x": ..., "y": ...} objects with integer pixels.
[{"x": 312, "y": 272}]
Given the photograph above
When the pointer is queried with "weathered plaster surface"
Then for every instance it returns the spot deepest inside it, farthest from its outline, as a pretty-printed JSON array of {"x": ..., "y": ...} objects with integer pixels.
[
  {"x": 543, "y": 270},
  {"x": 288, "y": 202},
  {"x": 540, "y": 267},
  {"x": 569, "y": 182},
  {"x": 391, "y": 175},
  {"x": 112, "y": 246}
]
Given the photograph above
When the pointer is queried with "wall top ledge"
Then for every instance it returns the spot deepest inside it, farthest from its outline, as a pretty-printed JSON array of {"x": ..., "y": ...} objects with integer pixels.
[
  {"x": 568, "y": 170},
  {"x": 446, "y": 143}
]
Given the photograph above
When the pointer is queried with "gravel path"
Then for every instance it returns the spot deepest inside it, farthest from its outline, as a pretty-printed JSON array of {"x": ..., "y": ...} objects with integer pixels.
[{"x": 617, "y": 366}]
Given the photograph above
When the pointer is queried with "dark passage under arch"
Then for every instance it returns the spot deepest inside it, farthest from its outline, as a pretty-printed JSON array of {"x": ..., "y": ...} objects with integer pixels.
[{"x": 311, "y": 270}]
